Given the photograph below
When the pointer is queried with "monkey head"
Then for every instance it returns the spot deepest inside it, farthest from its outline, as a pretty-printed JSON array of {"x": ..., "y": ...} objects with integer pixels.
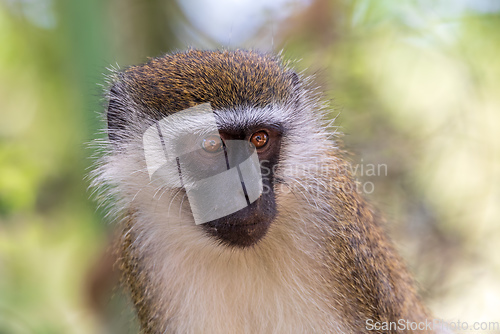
[{"x": 219, "y": 133}]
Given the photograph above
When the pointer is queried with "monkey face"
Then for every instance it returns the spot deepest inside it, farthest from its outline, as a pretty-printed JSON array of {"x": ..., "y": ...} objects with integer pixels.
[
  {"x": 214, "y": 180},
  {"x": 225, "y": 170}
]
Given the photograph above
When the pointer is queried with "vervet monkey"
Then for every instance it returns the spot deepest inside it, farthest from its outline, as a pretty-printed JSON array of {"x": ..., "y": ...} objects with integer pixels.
[{"x": 238, "y": 210}]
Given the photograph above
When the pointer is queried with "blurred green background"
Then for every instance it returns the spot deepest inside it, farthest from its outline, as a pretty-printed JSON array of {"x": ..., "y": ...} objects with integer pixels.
[{"x": 415, "y": 86}]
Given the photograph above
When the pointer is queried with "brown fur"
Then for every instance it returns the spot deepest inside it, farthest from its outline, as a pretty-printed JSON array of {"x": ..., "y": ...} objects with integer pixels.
[
  {"x": 179, "y": 81},
  {"x": 375, "y": 283}
]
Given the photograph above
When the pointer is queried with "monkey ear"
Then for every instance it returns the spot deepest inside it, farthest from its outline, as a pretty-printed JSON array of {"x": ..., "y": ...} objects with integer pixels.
[
  {"x": 295, "y": 78},
  {"x": 296, "y": 84},
  {"x": 116, "y": 113}
]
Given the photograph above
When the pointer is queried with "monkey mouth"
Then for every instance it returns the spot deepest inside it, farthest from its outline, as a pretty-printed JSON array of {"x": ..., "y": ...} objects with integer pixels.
[{"x": 244, "y": 228}]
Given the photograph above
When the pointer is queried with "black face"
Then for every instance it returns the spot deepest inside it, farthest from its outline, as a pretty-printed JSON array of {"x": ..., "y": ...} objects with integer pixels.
[{"x": 249, "y": 225}]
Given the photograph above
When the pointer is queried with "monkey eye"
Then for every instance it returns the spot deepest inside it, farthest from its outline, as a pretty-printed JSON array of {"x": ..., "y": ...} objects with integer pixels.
[
  {"x": 259, "y": 139},
  {"x": 212, "y": 144}
]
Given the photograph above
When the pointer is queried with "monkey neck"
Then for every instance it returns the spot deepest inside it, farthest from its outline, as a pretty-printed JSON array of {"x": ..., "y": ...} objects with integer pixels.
[{"x": 220, "y": 290}]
